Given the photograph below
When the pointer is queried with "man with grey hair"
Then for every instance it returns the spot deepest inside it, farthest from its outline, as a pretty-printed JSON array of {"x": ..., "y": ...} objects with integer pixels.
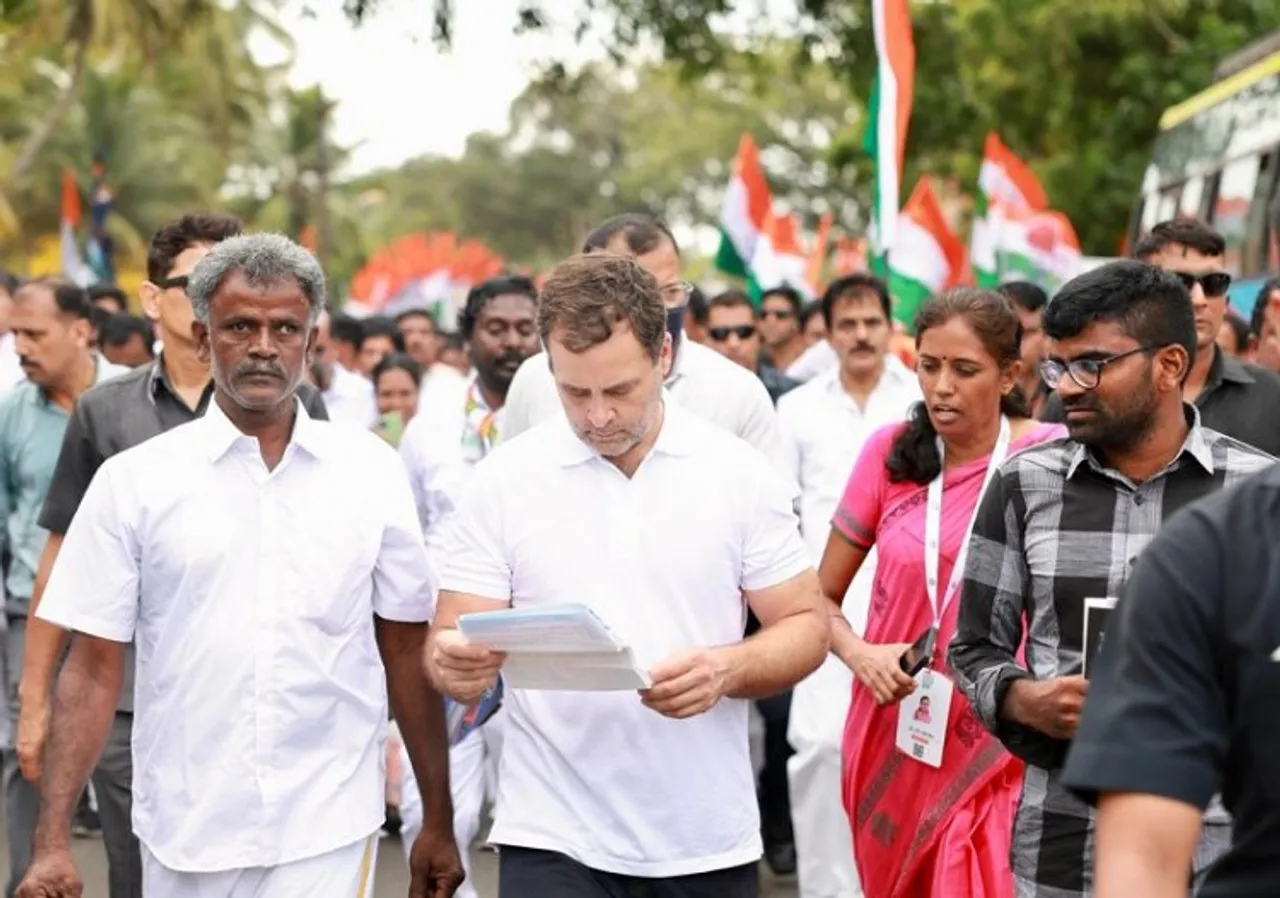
[{"x": 272, "y": 569}]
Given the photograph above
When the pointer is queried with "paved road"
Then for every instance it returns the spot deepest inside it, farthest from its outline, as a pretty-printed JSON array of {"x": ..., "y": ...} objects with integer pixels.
[{"x": 392, "y": 880}]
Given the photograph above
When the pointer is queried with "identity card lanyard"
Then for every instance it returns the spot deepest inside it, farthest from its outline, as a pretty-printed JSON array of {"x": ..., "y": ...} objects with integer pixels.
[{"x": 933, "y": 527}]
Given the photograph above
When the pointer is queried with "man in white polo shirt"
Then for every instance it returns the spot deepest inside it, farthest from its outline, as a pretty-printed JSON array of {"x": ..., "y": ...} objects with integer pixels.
[
  {"x": 700, "y": 379},
  {"x": 662, "y": 524},
  {"x": 272, "y": 570}
]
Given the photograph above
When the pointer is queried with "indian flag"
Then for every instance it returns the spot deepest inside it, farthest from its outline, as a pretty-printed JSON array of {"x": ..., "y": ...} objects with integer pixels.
[
  {"x": 927, "y": 257},
  {"x": 74, "y": 268},
  {"x": 747, "y": 205},
  {"x": 888, "y": 113},
  {"x": 1004, "y": 182},
  {"x": 779, "y": 259},
  {"x": 1041, "y": 247}
]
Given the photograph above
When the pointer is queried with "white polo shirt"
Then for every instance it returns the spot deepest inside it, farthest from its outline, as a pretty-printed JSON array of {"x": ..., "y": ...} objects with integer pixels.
[
  {"x": 662, "y": 558},
  {"x": 260, "y": 701},
  {"x": 703, "y": 381}
]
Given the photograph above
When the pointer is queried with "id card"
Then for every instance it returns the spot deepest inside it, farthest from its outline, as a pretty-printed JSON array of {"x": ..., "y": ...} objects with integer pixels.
[
  {"x": 1097, "y": 614},
  {"x": 922, "y": 718}
]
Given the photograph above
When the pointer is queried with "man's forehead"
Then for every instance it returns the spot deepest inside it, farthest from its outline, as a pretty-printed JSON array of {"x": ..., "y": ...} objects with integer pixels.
[
  {"x": 1103, "y": 335},
  {"x": 1178, "y": 257}
]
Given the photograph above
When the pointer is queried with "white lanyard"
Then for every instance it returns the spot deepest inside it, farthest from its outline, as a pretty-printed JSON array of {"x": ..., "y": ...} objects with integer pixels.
[{"x": 933, "y": 526}]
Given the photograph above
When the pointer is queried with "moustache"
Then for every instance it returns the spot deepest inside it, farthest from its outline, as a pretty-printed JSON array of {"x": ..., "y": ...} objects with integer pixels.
[
  {"x": 514, "y": 359},
  {"x": 863, "y": 347},
  {"x": 258, "y": 369}
]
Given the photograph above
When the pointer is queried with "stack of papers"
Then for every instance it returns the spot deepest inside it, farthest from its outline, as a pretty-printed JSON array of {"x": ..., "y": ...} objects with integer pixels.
[{"x": 556, "y": 647}]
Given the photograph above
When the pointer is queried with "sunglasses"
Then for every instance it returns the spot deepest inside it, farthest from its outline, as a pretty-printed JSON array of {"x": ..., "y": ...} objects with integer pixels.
[
  {"x": 1214, "y": 283},
  {"x": 741, "y": 331}
]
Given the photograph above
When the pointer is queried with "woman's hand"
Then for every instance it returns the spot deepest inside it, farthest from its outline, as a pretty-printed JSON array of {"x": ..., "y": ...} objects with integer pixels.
[{"x": 876, "y": 667}]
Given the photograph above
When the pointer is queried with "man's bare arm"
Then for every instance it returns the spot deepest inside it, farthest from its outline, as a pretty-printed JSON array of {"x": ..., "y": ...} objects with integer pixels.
[
  {"x": 419, "y": 713},
  {"x": 44, "y": 641},
  {"x": 83, "y": 707},
  {"x": 1145, "y": 846},
  {"x": 794, "y": 637}
]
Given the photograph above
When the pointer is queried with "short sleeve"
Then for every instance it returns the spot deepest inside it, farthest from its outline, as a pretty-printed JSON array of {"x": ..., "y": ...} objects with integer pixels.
[
  {"x": 857, "y": 517},
  {"x": 758, "y": 424},
  {"x": 773, "y": 551},
  {"x": 1155, "y": 721},
  {"x": 94, "y": 586},
  {"x": 78, "y": 461},
  {"x": 472, "y": 541},
  {"x": 403, "y": 580}
]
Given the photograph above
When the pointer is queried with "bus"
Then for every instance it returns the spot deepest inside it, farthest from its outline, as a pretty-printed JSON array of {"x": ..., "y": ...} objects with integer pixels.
[{"x": 1217, "y": 158}]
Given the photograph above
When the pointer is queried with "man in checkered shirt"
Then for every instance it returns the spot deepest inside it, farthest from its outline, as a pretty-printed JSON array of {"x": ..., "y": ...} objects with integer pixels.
[{"x": 1063, "y": 522}]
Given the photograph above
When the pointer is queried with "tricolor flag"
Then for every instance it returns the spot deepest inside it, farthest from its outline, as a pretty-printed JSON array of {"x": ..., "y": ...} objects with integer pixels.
[
  {"x": 1005, "y": 182},
  {"x": 1040, "y": 247},
  {"x": 74, "y": 268},
  {"x": 747, "y": 206},
  {"x": 888, "y": 113},
  {"x": 928, "y": 256},
  {"x": 779, "y": 259}
]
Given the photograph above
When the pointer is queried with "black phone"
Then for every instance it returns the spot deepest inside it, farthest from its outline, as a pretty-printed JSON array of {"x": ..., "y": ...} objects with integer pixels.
[{"x": 917, "y": 657}]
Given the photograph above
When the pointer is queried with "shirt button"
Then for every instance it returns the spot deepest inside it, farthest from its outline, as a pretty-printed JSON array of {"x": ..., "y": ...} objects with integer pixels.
[
  {"x": 1133, "y": 561},
  {"x": 1137, "y": 498}
]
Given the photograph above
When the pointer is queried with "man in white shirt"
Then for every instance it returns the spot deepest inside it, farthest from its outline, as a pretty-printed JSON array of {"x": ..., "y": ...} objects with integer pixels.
[
  {"x": 348, "y": 396},
  {"x": 440, "y": 450},
  {"x": 662, "y": 524},
  {"x": 700, "y": 379},
  {"x": 272, "y": 570},
  {"x": 824, "y": 424}
]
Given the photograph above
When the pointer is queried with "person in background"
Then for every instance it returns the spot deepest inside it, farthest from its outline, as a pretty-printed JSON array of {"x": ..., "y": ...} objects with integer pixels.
[
  {"x": 397, "y": 381},
  {"x": 1065, "y": 522},
  {"x": 379, "y": 339},
  {"x": 695, "y": 321},
  {"x": 127, "y": 340},
  {"x": 423, "y": 340},
  {"x": 812, "y": 323},
  {"x": 1233, "y": 336},
  {"x": 10, "y": 370},
  {"x": 346, "y": 334},
  {"x": 701, "y": 379},
  {"x": 98, "y": 318},
  {"x": 1264, "y": 327},
  {"x": 348, "y": 396},
  {"x": 174, "y": 389},
  {"x": 52, "y": 329},
  {"x": 779, "y": 326},
  {"x": 925, "y": 827},
  {"x": 109, "y": 298},
  {"x": 1029, "y": 301},
  {"x": 824, "y": 425},
  {"x": 734, "y": 330},
  {"x": 453, "y": 353}
]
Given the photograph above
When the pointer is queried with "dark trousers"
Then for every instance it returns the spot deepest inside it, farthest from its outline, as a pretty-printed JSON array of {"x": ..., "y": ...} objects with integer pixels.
[
  {"x": 773, "y": 788},
  {"x": 528, "y": 873}
]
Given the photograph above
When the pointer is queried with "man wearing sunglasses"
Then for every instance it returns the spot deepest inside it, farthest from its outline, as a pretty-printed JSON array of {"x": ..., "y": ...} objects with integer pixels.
[
  {"x": 734, "y": 329},
  {"x": 1234, "y": 397}
]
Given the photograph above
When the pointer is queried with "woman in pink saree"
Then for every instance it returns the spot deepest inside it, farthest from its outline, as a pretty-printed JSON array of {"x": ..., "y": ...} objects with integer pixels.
[{"x": 924, "y": 831}]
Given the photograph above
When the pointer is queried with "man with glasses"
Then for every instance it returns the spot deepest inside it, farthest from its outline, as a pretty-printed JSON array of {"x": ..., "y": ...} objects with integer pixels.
[
  {"x": 734, "y": 330},
  {"x": 701, "y": 380},
  {"x": 1233, "y": 397},
  {"x": 780, "y": 326},
  {"x": 128, "y": 410},
  {"x": 1058, "y": 532}
]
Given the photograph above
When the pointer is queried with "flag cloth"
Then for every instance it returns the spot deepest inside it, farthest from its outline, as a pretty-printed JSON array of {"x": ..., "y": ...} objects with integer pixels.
[
  {"x": 779, "y": 259},
  {"x": 928, "y": 256},
  {"x": 1040, "y": 247},
  {"x": 747, "y": 205},
  {"x": 1005, "y": 182},
  {"x": 73, "y": 265},
  {"x": 888, "y": 114}
]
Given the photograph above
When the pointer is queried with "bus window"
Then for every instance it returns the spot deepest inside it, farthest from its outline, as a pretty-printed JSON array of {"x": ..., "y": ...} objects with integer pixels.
[
  {"x": 1167, "y": 204},
  {"x": 1231, "y": 209},
  {"x": 1254, "y": 261},
  {"x": 1210, "y": 196},
  {"x": 1192, "y": 198}
]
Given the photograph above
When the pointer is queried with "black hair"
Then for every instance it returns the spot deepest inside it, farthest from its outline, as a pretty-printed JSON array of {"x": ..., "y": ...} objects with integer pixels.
[
  {"x": 416, "y": 313},
  {"x": 851, "y": 285},
  {"x": 1239, "y": 328},
  {"x": 643, "y": 234},
  {"x": 70, "y": 299},
  {"x": 484, "y": 292},
  {"x": 99, "y": 317},
  {"x": 396, "y": 361},
  {"x": 810, "y": 310},
  {"x": 1182, "y": 231},
  {"x": 1025, "y": 295},
  {"x": 174, "y": 237},
  {"x": 1259, "y": 315},
  {"x": 382, "y": 326},
  {"x": 731, "y": 299},
  {"x": 787, "y": 292},
  {"x": 1152, "y": 306},
  {"x": 990, "y": 315},
  {"x": 699, "y": 310},
  {"x": 9, "y": 283},
  {"x": 119, "y": 329},
  {"x": 453, "y": 340},
  {"x": 108, "y": 291},
  {"x": 344, "y": 328}
]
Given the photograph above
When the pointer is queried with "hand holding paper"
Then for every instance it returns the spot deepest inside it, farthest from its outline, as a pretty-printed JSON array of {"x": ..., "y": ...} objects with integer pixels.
[
  {"x": 687, "y": 685},
  {"x": 462, "y": 670}
]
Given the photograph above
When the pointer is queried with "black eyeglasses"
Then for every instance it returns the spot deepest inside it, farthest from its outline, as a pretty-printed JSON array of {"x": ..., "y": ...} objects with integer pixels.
[
  {"x": 1213, "y": 283},
  {"x": 1087, "y": 373},
  {"x": 741, "y": 331},
  {"x": 179, "y": 283}
]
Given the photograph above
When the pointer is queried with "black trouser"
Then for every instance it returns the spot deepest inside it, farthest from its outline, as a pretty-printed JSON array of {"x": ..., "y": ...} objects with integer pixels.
[
  {"x": 528, "y": 873},
  {"x": 773, "y": 789}
]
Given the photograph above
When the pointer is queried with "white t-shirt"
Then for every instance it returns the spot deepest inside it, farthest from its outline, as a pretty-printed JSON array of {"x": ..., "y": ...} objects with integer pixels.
[{"x": 662, "y": 558}]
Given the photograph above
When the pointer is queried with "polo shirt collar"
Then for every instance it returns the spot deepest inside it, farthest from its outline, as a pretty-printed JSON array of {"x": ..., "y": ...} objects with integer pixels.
[{"x": 674, "y": 439}]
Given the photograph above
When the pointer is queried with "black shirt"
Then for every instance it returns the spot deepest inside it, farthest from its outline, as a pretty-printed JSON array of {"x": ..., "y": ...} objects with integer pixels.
[
  {"x": 1238, "y": 399},
  {"x": 1186, "y": 698}
]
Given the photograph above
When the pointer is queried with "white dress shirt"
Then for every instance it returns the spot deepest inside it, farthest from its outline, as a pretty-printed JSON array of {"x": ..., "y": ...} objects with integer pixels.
[
  {"x": 260, "y": 700},
  {"x": 820, "y": 358},
  {"x": 351, "y": 399},
  {"x": 663, "y": 558},
  {"x": 701, "y": 380},
  {"x": 11, "y": 373}
]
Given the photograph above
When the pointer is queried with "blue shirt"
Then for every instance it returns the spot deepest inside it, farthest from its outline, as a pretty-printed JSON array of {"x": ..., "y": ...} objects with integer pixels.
[{"x": 31, "y": 431}]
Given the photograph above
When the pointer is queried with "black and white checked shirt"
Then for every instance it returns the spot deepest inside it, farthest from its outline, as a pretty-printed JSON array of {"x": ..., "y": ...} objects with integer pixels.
[{"x": 1055, "y": 528}]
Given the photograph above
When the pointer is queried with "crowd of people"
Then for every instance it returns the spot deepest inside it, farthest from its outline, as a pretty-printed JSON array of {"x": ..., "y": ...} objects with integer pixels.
[{"x": 241, "y": 528}]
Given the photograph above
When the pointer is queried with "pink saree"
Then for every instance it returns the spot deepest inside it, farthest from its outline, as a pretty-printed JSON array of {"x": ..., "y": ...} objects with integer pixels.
[{"x": 921, "y": 832}]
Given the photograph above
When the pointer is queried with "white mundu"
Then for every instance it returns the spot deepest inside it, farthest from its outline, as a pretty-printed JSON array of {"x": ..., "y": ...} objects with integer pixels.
[
  {"x": 261, "y": 704},
  {"x": 663, "y": 559},
  {"x": 703, "y": 381}
]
